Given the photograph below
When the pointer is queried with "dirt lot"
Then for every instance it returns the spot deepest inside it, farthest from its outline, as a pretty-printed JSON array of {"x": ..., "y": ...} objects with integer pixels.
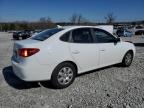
[{"x": 111, "y": 87}]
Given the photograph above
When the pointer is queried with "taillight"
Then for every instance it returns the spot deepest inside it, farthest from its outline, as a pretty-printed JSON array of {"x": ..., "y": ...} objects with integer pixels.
[{"x": 26, "y": 52}]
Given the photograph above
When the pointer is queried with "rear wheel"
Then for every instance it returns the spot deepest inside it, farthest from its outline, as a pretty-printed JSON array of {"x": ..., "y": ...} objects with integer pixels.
[
  {"x": 63, "y": 75},
  {"x": 127, "y": 60}
]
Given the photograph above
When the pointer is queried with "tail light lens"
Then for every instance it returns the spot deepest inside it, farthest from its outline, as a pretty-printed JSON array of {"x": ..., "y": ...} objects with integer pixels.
[{"x": 26, "y": 52}]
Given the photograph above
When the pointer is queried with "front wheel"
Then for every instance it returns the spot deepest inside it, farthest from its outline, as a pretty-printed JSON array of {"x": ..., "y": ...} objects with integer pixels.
[
  {"x": 63, "y": 75},
  {"x": 127, "y": 60}
]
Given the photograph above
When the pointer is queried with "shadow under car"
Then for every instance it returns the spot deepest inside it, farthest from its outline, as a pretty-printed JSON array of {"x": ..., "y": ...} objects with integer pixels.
[{"x": 17, "y": 83}]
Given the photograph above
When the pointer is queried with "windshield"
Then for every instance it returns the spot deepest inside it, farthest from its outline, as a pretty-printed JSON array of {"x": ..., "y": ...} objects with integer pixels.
[{"x": 46, "y": 34}]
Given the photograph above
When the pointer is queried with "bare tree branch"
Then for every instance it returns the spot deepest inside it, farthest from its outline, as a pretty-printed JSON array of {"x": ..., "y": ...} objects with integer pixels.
[
  {"x": 78, "y": 19},
  {"x": 110, "y": 18},
  {"x": 73, "y": 18}
]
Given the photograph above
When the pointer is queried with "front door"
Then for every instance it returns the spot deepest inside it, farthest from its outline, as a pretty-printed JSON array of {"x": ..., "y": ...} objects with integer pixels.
[{"x": 109, "y": 49}]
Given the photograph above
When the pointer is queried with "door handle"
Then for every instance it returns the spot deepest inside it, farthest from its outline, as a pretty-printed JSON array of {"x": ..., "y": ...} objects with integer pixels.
[
  {"x": 76, "y": 52},
  {"x": 102, "y": 50}
]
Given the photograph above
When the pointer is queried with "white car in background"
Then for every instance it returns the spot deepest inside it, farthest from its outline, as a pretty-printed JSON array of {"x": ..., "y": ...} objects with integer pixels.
[{"x": 60, "y": 54}]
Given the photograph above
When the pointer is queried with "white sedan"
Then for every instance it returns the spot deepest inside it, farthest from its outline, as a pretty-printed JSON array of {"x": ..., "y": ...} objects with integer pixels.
[{"x": 59, "y": 54}]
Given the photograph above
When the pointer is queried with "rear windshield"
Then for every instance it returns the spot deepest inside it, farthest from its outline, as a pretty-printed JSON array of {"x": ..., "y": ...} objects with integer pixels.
[{"x": 46, "y": 34}]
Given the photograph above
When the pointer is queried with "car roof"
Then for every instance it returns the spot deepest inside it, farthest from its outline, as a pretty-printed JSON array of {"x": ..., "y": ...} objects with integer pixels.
[
  {"x": 77, "y": 26},
  {"x": 108, "y": 28}
]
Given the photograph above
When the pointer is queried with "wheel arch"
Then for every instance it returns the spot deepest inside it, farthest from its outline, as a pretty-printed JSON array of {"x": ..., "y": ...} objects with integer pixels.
[
  {"x": 130, "y": 50},
  {"x": 73, "y": 63},
  {"x": 68, "y": 61}
]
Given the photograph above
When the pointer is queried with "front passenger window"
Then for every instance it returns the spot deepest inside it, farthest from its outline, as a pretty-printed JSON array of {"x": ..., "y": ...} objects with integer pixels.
[{"x": 102, "y": 36}]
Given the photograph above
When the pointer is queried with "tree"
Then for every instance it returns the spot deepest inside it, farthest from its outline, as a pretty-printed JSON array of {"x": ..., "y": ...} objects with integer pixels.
[
  {"x": 78, "y": 19},
  {"x": 46, "y": 22},
  {"x": 73, "y": 18},
  {"x": 5, "y": 27},
  {"x": 42, "y": 19},
  {"x": 49, "y": 20},
  {"x": 12, "y": 26},
  {"x": 0, "y": 27},
  {"x": 110, "y": 18},
  {"x": 143, "y": 22},
  {"x": 24, "y": 26},
  {"x": 45, "y": 19}
]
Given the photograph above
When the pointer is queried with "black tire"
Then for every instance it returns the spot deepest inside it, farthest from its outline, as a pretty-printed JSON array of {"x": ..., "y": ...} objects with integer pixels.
[
  {"x": 55, "y": 78},
  {"x": 127, "y": 60}
]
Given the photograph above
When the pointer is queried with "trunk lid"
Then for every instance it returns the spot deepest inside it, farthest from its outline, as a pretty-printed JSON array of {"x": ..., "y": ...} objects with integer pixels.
[{"x": 28, "y": 43}]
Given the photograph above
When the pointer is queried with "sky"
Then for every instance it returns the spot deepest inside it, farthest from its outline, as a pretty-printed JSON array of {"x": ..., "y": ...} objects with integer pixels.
[{"x": 62, "y": 10}]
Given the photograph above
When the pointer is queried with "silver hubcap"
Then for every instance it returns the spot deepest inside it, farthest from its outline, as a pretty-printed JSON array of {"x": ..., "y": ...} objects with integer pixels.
[
  {"x": 65, "y": 75},
  {"x": 128, "y": 59}
]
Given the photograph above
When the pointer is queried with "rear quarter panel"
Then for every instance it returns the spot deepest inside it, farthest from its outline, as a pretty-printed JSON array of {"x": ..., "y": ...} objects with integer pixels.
[{"x": 54, "y": 52}]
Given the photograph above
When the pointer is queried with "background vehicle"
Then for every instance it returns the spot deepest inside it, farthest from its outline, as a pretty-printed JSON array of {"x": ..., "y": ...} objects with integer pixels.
[
  {"x": 139, "y": 32},
  {"x": 124, "y": 32},
  {"x": 22, "y": 34},
  {"x": 60, "y": 54}
]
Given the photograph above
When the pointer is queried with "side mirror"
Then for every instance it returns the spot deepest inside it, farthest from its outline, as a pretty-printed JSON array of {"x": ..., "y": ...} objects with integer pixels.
[{"x": 117, "y": 40}]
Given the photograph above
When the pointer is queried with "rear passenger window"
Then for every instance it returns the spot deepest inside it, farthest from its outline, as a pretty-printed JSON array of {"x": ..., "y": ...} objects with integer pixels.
[
  {"x": 65, "y": 37},
  {"x": 82, "y": 35}
]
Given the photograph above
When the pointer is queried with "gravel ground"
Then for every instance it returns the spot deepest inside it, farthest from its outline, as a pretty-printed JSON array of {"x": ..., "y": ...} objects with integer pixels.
[{"x": 111, "y": 87}]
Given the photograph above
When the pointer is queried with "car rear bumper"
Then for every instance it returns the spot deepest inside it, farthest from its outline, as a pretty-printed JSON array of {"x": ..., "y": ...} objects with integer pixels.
[{"x": 31, "y": 73}]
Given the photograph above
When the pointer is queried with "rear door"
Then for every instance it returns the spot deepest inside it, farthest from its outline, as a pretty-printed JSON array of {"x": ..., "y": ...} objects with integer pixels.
[{"x": 83, "y": 49}]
